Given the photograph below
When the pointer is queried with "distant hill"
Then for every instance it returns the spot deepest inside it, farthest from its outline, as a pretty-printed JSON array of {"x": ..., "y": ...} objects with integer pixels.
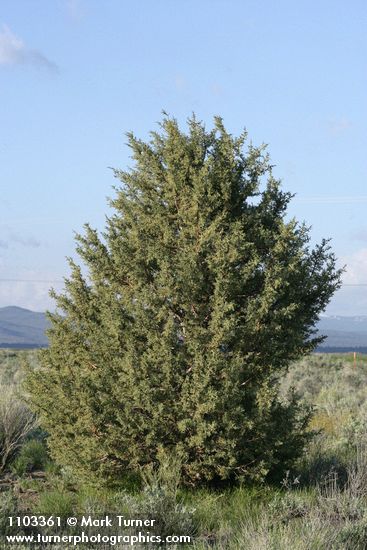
[
  {"x": 22, "y": 328},
  {"x": 356, "y": 323},
  {"x": 345, "y": 333}
]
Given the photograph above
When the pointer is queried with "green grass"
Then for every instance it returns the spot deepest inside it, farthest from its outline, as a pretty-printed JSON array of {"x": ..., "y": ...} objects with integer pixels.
[
  {"x": 322, "y": 503},
  {"x": 11, "y": 371}
]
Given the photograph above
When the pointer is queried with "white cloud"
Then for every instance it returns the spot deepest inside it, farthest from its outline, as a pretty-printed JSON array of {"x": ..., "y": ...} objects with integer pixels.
[
  {"x": 30, "y": 242},
  {"x": 27, "y": 288},
  {"x": 13, "y": 51},
  {"x": 351, "y": 299},
  {"x": 12, "y": 238},
  {"x": 356, "y": 267},
  {"x": 34, "y": 296}
]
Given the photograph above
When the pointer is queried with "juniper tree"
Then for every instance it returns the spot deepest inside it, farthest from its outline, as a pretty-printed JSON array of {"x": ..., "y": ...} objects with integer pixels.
[{"x": 198, "y": 296}]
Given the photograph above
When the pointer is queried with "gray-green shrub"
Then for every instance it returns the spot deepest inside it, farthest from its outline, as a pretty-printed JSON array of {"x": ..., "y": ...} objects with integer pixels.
[{"x": 16, "y": 423}]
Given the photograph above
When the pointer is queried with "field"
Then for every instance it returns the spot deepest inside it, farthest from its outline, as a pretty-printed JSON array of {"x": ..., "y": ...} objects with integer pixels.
[{"x": 320, "y": 504}]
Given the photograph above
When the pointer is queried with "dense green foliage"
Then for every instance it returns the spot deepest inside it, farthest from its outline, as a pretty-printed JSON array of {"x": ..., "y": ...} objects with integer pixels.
[{"x": 198, "y": 296}]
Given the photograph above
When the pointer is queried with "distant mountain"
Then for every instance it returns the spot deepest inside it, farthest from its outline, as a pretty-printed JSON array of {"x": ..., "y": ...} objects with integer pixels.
[
  {"x": 22, "y": 328},
  {"x": 357, "y": 323},
  {"x": 344, "y": 332}
]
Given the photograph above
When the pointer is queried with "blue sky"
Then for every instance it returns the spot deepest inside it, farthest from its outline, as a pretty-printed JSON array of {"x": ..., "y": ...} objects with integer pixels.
[{"x": 75, "y": 75}]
